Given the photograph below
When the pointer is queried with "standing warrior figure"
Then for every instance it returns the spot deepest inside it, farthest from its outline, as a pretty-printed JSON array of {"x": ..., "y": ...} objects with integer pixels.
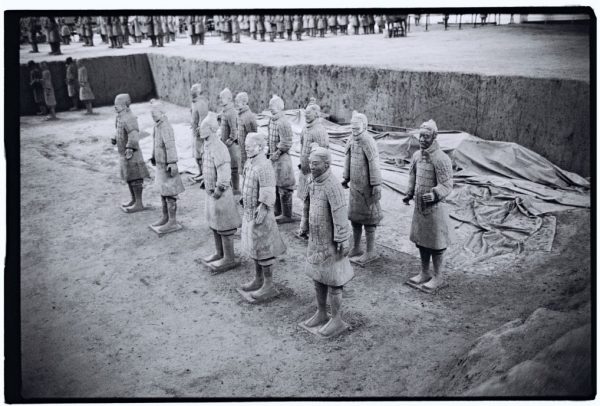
[
  {"x": 36, "y": 83},
  {"x": 297, "y": 27},
  {"x": 261, "y": 240},
  {"x": 200, "y": 29},
  {"x": 252, "y": 25},
  {"x": 72, "y": 82},
  {"x": 361, "y": 170},
  {"x": 313, "y": 132},
  {"x": 221, "y": 210},
  {"x": 429, "y": 183},
  {"x": 53, "y": 35},
  {"x": 133, "y": 168},
  {"x": 191, "y": 26},
  {"x": 100, "y": 22},
  {"x": 125, "y": 29},
  {"x": 279, "y": 144},
  {"x": 229, "y": 135},
  {"x": 235, "y": 29},
  {"x": 85, "y": 91},
  {"x": 246, "y": 123},
  {"x": 287, "y": 23},
  {"x": 327, "y": 255},
  {"x": 49, "y": 98},
  {"x": 116, "y": 37},
  {"x": 199, "y": 112},
  {"x": 164, "y": 157}
]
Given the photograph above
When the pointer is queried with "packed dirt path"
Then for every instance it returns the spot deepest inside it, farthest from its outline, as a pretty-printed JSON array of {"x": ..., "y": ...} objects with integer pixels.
[
  {"x": 111, "y": 309},
  {"x": 542, "y": 51}
]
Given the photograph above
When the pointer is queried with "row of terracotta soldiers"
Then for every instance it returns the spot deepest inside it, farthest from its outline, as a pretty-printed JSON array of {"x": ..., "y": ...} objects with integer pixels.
[
  {"x": 54, "y": 32},
  {"x": 266, "y": 193},
  {"x": 78, "y": 87}
]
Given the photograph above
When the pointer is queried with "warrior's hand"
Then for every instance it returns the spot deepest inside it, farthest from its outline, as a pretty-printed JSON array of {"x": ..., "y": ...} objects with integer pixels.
[
  {"x": 260, "y": 213},
  {"x": 345, "y": 184},
  {"x": 217, "y": 193},
  {"x": 342, "y": 248},
  {"x": 229, "y": 142},
  {"x": 275, "y": 156},
  {"x": 407, "y": 199},
  {"x": 113, "y": 141},
  {"x": 172, "y": 169},
  {"x": 429, "y": 197},
  {"x": 376, "y": 192},
  {"x": 153, "y": 161},
  {"x": 128, "y": 153}
]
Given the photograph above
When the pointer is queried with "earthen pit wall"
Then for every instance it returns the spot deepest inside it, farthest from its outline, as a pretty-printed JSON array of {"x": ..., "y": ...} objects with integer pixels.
[
  {"x": 108, "y": 76},
  {"x": 549, "y": 116}
]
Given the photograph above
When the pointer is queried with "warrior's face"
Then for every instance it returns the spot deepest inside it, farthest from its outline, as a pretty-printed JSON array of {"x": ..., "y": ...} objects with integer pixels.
[
  {"x": 357, "y": 126},
  {"x": 252, "y": 146},
  {"x": 426, "y": 138},
  {"x": 240, "y": 103},
  {"x": 224, "y": 98},
  {"x": 119, "y": 108},
  {"x": 156, "y": 114},
  {"x": 318, "y": 166},
  {"x": 311, "y": 115}
]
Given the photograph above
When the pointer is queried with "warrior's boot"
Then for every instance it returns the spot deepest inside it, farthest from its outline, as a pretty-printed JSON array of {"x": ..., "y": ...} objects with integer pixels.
[
  {"x": 320, "y": 316},
  {"x": 74, "y": 108},
  {"x": 119, "y": 42},
  {"x": 160, "y": 41},
  {"x": 262, "y": 37},
  {"x": 88, "y": 108},
  {"x": 370, "y": 255},
  {"x": 438, "y": 266},
  {"x": 171, "y": 224},
  {"x": 165, "y": 213},
  {"x": 112, "y": 42},
  {"x": 424, "y": 275},
  {"x": 357, "y": 234},
  {"x": 298, "y": 36},
  {"x": 52, "y": 115},
  {"x": 194, "y": 39},
  {"x": 132, "y": 201},
  {"x": 138, "y": 189},
  {"x": 228, "y": 260},
  {"x": 267, "y": 289},
  {"x": 258, "y": 280},
  {"x": 153, "y": 40},
  {"x": 289, "y": 35},
  {"x": 287, "y": 215},
  {"x": 335, "y": 325},
  {"x": 218, "y": 247},
  {"x": 235, "y": 181}
]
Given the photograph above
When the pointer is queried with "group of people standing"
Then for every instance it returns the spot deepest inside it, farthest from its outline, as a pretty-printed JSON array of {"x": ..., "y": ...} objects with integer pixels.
[
  {"x": 78, "y": 87},
  {"x": 331, "y": 223}
]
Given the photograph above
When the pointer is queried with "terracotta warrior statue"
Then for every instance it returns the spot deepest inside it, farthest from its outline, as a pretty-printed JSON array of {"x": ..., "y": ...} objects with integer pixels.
[
  {"x": 221, "y": 210},
  {"x": 279, "y": 144},
  {"x": 327, "y": 256},
  {"x": 261, "y": 240},
  {"x": 164, "y": 157},
  {"x": 229, "y": 135},
  {"x": 246, "y": 123},
  {"x": 85, "y": 91},
  {"x": 48, "y": 87},
  {"x": 199, "y": 112},
  {"x": 361, "y": 170},
  {"x": 312, "y": 132},
  {"x": 430, "y": 181},
  {"x": 133, "y": 168}
]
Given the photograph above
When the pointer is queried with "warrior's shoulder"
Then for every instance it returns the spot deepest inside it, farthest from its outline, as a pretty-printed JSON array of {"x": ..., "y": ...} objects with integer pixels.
[{"x": 369, "y": 146}]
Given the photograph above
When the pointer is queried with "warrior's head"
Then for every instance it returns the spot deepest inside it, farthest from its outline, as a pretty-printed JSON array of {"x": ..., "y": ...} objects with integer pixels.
[
  {"x": 358, "y": 123},
  {"x": 195, "y": 91},
  {"x": 319, "y": 160},
  {"x": 122, "y": 102},
  {"x": 313, "y": 111},
  {"x": 79, "y": 63},
  {"x": 43, "y": 65},
  {"x": 275, "y": 104},
  {"x": 427, "y": 134},
  {"x": 255, "y": 144},
  {"x": 241, "y": 100},
  {"x": 225, "y": 97},
  {"x": 157, "y": 109},
  {"x": 209, "y": 125}
]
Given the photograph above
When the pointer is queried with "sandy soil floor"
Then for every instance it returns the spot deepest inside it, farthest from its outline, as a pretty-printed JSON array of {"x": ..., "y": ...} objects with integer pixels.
[
  {"x": 544, "y": 51},
  {"x": 111, "y": 309}
]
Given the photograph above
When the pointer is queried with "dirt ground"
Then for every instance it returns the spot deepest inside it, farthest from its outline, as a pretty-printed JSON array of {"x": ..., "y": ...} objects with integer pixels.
[
  {"x": 543, "y": 51},
  {"x": 111, "y": 309}
]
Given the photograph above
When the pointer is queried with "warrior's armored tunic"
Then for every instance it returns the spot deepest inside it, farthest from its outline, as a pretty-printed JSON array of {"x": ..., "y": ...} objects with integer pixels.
[
  {"x": 328, "y": 225},
  {"x": 165, "y": 153},
  {"x": 297, "y": 24},
  {"x": 128, "y": 137},
  {"x": 229, "y": 130},
  {"x": 280, "y": 139},
  {"x": 116, "y": 27},
  {"x": 313, "y": 132},
  {"x": 85, "y": 91},
  {"x": 72, "y": 79},
  {"x": 221, "y": 213},
  {"x": 361, "y": 169},
  {"x": 199, "y": 111},
  {"x": 48, "y": 89},
  {"x": 260, "y": 241},
  {"x": 430, "y": 171},
  {"x": 246, "y": 124}
]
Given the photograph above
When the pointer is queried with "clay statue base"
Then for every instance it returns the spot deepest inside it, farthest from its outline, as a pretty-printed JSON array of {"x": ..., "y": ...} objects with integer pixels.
[
  {"x": 284, "y": 220},
  {"x": 160, "y": 232},
  {"x": 315, "y": 330},
  {"x": 424, "y": 288},
  {"x": 362, "y": 261},
  {"x": 217, "y": 270},
  {"x": 129, "y": 211},
  {"x": 248, "y": 296}
]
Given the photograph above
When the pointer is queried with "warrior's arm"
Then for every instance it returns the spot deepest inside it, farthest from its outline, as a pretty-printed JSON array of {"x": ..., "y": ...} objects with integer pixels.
[
  {"x": 339, "y": 214},
  {"x": 412, "y": 177},
  {"x": 169, "y": 140},
  {"x": 285, "y": 137},
  {"x": 231, "y": 120},
  {"x": 374, "y": 172},
  {"x": 266, "y": 186},
  {"x": 443, "y": 173},
  {"x": 347, "y": 163},
  {"x": 224, "y": 174}
]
